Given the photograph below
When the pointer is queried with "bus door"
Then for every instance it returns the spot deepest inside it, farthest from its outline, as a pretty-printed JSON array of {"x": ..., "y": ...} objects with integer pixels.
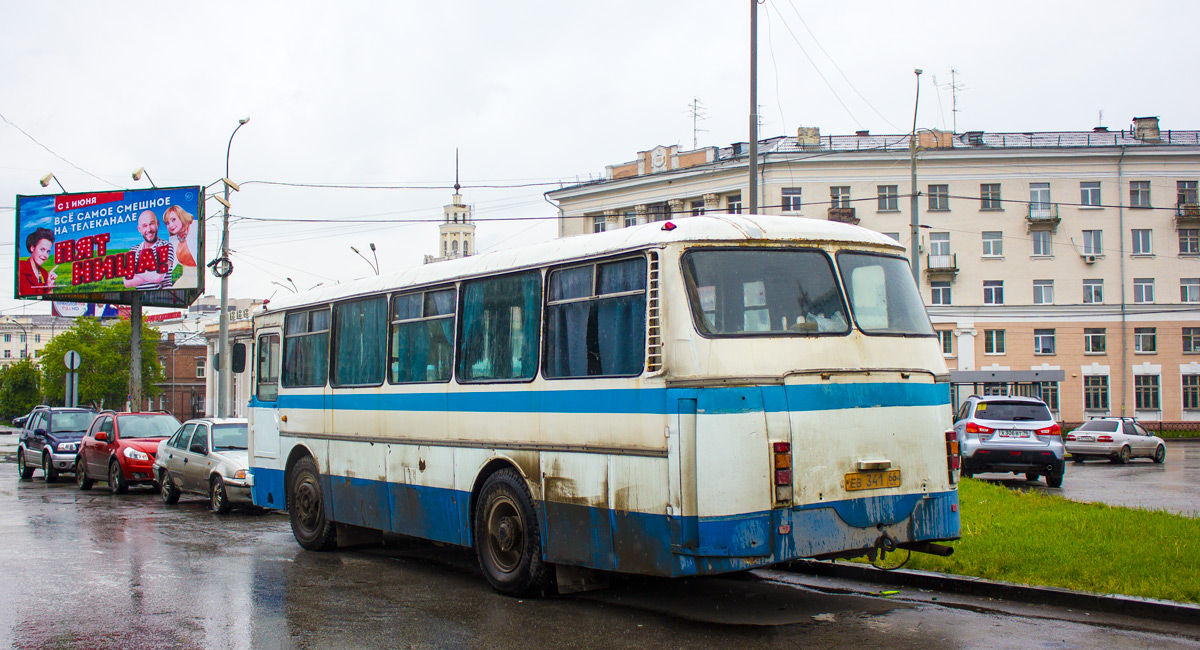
[{"x": 264, "y": 438}]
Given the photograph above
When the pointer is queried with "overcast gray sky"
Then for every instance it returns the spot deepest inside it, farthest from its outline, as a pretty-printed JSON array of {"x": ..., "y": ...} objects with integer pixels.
[{"x": 531, "y": 93}]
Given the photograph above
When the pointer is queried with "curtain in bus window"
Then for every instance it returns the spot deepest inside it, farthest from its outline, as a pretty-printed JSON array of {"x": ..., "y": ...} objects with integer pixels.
[
  {"x": 600, "y": 331},
  {"x": 306, "y": 348},
  {"x": 499, "y": 328},
  {"x": 421, "y": 346},
  {"x": 882, "y": 294},
  {"x": 360, "y": 346}
]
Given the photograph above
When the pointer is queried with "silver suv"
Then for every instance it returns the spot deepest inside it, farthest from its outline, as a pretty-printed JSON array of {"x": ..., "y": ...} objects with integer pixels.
[{"x": 998, "y": 433}]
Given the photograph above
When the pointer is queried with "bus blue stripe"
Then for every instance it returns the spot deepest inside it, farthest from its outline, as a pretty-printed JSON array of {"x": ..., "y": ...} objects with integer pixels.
[{"x": 646, "y": 401}]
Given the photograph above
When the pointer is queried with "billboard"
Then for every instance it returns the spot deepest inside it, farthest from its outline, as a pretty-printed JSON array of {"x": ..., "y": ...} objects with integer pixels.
[{"x": 107, "y": 246}]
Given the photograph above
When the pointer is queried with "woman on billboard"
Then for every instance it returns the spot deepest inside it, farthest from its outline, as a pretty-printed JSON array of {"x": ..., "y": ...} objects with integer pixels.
[
  {"x": 33, "y": 278},
  {"x": 179, "y": 225}
]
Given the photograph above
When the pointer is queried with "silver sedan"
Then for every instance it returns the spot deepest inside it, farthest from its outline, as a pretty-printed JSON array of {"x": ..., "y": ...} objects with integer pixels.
[
  {"x": 1117, "y": 439},
  {"x": 206, "y": 456}
]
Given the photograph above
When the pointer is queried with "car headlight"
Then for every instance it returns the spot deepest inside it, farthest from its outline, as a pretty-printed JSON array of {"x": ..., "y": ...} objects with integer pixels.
[
  {"x": 67, "y": 446},
  {"x": 134, "y": 454}
]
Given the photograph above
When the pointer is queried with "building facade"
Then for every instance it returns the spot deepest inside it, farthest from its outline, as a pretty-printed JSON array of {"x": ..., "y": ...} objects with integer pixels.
[{"x": 1065, "y": 264}]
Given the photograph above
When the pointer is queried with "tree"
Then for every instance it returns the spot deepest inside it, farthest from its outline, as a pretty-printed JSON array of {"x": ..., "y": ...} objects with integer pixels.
[
  {"x": 104, "y": 369},
  {"x": 19, "y": 391}
]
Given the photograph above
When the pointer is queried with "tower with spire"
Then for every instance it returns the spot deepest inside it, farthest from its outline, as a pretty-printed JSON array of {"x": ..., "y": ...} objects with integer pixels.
[{"x": 457, "y": 230}]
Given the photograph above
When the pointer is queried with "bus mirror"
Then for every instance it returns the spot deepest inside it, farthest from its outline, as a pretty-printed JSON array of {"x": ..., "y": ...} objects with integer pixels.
[{"x": 238, "y": 360}]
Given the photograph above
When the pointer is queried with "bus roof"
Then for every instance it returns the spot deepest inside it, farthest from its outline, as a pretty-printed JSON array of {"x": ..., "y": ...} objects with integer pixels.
[{"x": 707, "y": 228}]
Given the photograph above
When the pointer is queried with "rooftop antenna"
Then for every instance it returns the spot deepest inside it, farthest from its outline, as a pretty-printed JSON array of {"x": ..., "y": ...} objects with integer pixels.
[
  {"x": 696, "y": 110},
  {"x": 954, "y": 88}
]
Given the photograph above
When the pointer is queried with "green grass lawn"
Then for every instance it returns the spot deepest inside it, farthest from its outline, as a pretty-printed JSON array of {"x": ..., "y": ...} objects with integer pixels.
[{"x": 1037, "y": 539}]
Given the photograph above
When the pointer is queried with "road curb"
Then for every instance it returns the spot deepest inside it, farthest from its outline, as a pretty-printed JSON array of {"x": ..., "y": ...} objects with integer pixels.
[{"x": 1159, "y": 610}]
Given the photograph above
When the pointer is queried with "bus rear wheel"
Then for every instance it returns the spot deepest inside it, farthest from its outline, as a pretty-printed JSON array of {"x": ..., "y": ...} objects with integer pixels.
[
  {"x": 508, "y": 540},
  {"x": 306, "y": 508}
]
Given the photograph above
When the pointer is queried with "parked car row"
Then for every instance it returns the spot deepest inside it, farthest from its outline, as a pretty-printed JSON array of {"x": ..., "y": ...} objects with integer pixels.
[{"x": 204, "y": 456}]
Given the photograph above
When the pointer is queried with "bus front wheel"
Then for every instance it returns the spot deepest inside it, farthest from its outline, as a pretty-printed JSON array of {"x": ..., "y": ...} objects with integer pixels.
[
  {"x": 508, "y": 541},
  {"x": 306, "y": 508}
]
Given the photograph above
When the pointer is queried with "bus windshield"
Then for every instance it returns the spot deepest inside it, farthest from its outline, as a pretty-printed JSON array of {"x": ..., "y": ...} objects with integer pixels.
[
  {"x": 882, "y": 295},
  {"x": 764, "y": 292}
]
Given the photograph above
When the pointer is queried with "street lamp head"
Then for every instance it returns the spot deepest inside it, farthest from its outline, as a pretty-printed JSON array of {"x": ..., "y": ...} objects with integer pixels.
[
  {"x": 137, "y": 173},
  {"x": 231, "y": 185},
  {"x": 220, "y": 200},
  {"x": 243, "y": 120},
  {"x": 372, "y": 246},
  {"x": 917, "y": 71},
  {"x": 355, "y": 250},
  {"x": 45, "y": 180}
]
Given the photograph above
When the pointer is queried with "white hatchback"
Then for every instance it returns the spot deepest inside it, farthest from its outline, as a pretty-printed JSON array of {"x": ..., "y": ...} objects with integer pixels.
[{"x": 1117, "y": 439}]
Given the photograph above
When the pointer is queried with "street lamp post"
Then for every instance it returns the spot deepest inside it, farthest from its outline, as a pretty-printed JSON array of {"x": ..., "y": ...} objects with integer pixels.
[
  {"x": 915, "y": 237},
  {"x": 225, "y": 372}
]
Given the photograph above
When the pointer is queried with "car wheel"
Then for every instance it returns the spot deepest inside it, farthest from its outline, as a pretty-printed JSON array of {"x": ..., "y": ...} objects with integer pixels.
[
  {"x": 1160, "y": 454},
  {"x": 508, "y": 541},
  {"x": 116, "y": 479},
  {"x": 1076, "y": 458},
  {"x": 1031, "y": 477},
  {"x": 218, "y": 500},
  {"x": 1054, "y": 480},
  {"x": 306, "y": 508},
  {"x": 81, "y": 477},
  {"x": 170, "y": 493},
  {"x": 1122, "y": 456},
  {"x": 23, "y": 467},
  {"x": 48, "y": 471},
  {"x": 966, "y": 473}
]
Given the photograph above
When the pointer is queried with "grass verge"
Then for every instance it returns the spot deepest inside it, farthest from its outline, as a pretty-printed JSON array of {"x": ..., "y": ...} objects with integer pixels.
[{"x": 1038, "y": 539}]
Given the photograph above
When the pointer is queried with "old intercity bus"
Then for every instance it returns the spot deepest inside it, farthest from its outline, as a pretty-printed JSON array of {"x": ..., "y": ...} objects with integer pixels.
[{"x": 678, "y": 398}]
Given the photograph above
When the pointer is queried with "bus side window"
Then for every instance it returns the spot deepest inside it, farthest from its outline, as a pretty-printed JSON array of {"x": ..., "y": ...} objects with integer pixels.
[
  {"x": 359, "y": 342},
  {"x": 422, "y": 337},
  {"x": 596, "y": 320},
  {"x": 499, "y": 327},
  {"x": 267, "y": 370},
  {"x": 306, "y": 348}
]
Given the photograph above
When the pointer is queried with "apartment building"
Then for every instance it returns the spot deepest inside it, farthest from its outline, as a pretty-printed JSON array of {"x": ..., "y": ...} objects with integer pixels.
[{"x": 1065, "y": 264}]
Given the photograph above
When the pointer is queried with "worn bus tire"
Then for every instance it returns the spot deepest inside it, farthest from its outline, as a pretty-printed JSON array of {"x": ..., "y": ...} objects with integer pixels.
[
  {"x": 306, "y": 508},
  {"x": 508, "y": 539}
]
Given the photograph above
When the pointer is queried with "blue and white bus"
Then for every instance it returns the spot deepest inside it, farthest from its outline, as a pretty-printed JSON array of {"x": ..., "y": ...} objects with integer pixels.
[{"x": 709, "y": 395}]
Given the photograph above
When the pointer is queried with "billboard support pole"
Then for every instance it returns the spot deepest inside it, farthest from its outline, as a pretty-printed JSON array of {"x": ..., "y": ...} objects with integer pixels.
[{"x": 135, "y": 350}]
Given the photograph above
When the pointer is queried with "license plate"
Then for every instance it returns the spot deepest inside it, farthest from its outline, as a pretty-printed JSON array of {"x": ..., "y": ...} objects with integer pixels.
[
  {"x": 1085, "y": 438},
  {"x": 873, "y": 480},
  {"x": 1012, "y": 433}
]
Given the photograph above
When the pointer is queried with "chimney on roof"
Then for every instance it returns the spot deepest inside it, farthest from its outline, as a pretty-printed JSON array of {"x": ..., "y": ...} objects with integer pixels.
[
  {"x": 1146, "y": 128},
  {"x": 1100, "y": 129},
  {"x": 862, "y": 134}
]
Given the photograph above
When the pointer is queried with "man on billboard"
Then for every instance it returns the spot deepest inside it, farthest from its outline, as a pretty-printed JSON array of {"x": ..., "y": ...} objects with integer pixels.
[{"x": 151, "y": 279}]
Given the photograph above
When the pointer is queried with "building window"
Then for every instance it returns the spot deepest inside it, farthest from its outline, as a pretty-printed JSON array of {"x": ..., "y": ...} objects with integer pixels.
[
  {"x": 993, "y": 292},
  {"x": 1043, "y": 341},
  {"x": 8, "y": 338},
  {"x": 199, "y": 367},
  {"x": 1143, "y": 290},
  {"x": 630, "y": 218},
  {"x": 1093, "y": 340},
  {"x": 1043, "y": 292},
  {"x": 1189, "y": 289},
  {"x": 734, "y": 203},
  {"x": 1049, "y": 393},
  {"x": 697, "y": 208},
  {"x": 37, "y": 338},
  {"x": 1189, "y": 241},
  {"x": 1145, "y": 393},
  {"x": 1093, "y": 242},
  {"x": 1041, "y": 243},
  {"x": 1039, "y": 200},
  {"x": 659, "y": 212},
  {"x": 791, "y": 199},
  {"x": 1145, "y": 340},
  {"x": 1139, "y": 194},
  {"x": 993, "y": 341},
  {"x": 946, "y": 338},
  {"x": 8, "y": 354},
  {"x": 989, "y": 196},
  {"x": 1095, "y": 393},
  {"x": 24, "y": 353},
  {"x": 1191, "y": 340},
  {"x": 940, "y": 290},
  {"x": 889, "y": 198},
  {"x": 21, "y": 338},
  {"x": 839, "y": 196},
  {"x": 1191, "y": 391},
  {"x": 893, "y": 235},
  {"x": 599, "y": 223},
  {"x": 1089, "y": 194},
  {"x": 993, "y": 243},
  {"x": 1186, "y": 193},
  {"x": 939, "y": 245},
  {"x": 939, "y": 197},
  {"x": 1093, "y": 292},
  {"x": 1141, "y": 242}
]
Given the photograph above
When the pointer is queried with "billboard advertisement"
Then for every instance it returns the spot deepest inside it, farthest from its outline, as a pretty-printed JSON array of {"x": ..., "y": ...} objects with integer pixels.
[{"x": 108, "y": 246}]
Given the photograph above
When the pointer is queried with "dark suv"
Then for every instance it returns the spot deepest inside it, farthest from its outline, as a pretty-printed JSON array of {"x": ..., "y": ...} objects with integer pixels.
[
  {"x": 50, "y": 440},
  {"x": 998, "y": 433}
]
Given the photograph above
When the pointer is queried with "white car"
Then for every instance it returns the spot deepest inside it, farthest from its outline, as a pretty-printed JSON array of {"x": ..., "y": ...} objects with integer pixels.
[
  {"x": 206, "y": 456},
  {"x": 1117, "y": 439}
]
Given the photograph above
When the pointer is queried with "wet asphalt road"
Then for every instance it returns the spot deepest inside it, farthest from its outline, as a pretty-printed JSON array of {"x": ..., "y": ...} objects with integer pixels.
[{"x": 96, "y": 571}]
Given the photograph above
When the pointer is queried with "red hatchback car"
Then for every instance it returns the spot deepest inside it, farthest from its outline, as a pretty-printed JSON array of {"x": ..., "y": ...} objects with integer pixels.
[{"x": 119, "y": 448}]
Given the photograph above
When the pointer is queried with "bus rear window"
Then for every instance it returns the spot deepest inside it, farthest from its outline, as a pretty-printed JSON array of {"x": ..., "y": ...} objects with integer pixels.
[
  {"x": 883, "y": 296},
  {"x": 740, "y": 292}
]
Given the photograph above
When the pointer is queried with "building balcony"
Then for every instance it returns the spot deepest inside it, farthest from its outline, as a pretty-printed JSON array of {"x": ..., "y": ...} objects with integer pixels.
[
  {"x": 941, "y": 265},
  {"x": 1041, "y": 216},
  {"x": 1187, "y": 215},
  {"x": 844, "y": 215}
]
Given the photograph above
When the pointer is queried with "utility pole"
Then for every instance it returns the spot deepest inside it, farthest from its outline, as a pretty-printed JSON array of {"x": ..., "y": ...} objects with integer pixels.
[
  {"x": 915, "y": 236},
  {"x": 753, "y": 198}
]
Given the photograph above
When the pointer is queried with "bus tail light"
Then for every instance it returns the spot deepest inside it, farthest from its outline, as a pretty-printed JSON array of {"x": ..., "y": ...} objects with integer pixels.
[
  {"x": 953, "y": 458},
  {"x": 782, "y": 458}
]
